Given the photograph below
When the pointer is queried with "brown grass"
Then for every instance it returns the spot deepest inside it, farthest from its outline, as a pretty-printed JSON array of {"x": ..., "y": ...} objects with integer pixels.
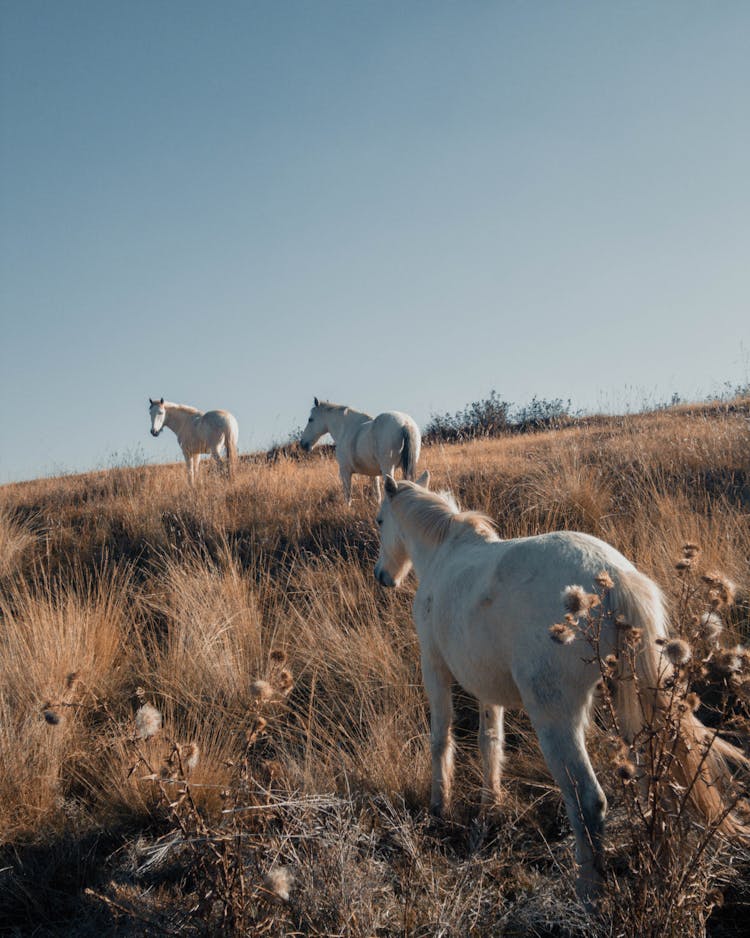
[{"x": 123, "y": 586}]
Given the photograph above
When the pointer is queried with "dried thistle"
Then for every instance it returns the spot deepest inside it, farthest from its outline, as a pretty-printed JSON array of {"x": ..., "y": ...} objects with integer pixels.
[
  {"x": 261, "y": 691},
  {"x": 721, "y": 590},
  {"x": 147, "y": 721},
  {"x": 278, "y": 883},
  {"x": 711, "y": 626},
  {"x": 632, "y": 635},
  {"x": 677, "y": 652},
  {"x": 577, "y": 601},
  {"x": 604, "y": 580},
  {"x": 727, "y": 661},
  {"x": 284, "y": 682},
  {"x": 252, "y": 735},
  {"x": 51, "y": 716},
  {"x": 278, "y": 656},
  {"x": 189, "y": 756},
  {"x": 691, "y": 550},
  {"x": 562, "y": 633}
]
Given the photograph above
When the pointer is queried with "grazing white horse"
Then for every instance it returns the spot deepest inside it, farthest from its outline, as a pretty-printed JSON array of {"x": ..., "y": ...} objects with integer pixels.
[
  {"x": 197, "y": 432},
  {"x": 371, "y": 446},
  {"x": 483, "y": 612}
]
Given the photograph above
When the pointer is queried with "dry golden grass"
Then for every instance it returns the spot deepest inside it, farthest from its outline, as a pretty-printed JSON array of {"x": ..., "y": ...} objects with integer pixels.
[{"x": 126, "y": 586}]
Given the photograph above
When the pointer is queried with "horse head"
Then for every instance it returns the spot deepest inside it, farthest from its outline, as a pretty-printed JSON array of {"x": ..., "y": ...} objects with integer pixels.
[
  {"x": 316, "y": 426},
  {"x": 393, "y": 560},
  {"x": 158, "y": 413}
]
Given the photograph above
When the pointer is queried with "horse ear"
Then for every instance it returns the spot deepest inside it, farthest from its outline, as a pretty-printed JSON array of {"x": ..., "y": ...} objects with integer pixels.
[
  {"x": 424, "y": 479},
  {"x": 150, "y": 401},
  {"x": 161, "y": 401},
  {"x": 391, "y": 486},
  {"x": 317, "y": 402}
]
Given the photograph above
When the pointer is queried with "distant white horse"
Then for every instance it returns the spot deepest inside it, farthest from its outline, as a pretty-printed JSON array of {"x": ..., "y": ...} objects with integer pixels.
[
  {"x": 197, "y": 432},
  {"x": 371, "y": 446},
  {"x": 483, "y": 612}
]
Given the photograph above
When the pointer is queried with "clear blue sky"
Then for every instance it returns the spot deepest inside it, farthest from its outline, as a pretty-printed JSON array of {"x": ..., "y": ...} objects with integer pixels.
[{"x": 396, "y": 205}]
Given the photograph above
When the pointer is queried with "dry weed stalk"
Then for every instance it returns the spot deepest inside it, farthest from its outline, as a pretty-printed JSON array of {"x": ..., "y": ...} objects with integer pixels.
[{"x": 675, "y": 857}]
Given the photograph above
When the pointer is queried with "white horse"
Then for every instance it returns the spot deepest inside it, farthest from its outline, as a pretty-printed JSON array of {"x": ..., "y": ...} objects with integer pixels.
[
  {"x": 197, "y": 432},
  {"x": 371, "y": 446},
  {"x": 483, "y": 612}
]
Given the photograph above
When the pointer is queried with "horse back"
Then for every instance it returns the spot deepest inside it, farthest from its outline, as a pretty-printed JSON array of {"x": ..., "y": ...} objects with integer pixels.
[{"x": 486, "y": 608}]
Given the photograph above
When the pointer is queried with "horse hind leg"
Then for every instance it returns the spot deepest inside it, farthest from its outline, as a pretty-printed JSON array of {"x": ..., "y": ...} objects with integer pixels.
[
  {"x": 216, "y": 457},
  {"x": 491, "y": 740},
  {"x": 565, "y": 754}
]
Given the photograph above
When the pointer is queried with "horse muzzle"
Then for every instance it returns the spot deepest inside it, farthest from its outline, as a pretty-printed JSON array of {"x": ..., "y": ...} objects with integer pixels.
[
  {"x": 384, "y": 578},
  {"x": 155, "y": 432},
  {"x": 305, "y": 446}
]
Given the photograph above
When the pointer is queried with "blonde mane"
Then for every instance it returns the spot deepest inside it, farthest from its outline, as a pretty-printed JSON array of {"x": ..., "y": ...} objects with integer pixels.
[
  {"x": 182, "y": 408},
  {"x": 439, "y": 516},
  {"x": 340, "y": 408}
]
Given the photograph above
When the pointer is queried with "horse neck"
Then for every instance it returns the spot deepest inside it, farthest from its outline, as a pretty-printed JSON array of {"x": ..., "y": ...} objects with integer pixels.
[
  {"x": 340, "y": 419},
  {"x": 423, "y": 540},
  {"x": 176, "y": 417}
]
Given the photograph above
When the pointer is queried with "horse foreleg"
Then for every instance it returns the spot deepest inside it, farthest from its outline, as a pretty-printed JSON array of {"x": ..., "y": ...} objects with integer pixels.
[
  {"x": 346, "y": 481},
  {"x": 196, "y": 466},
  {"x": 189, "y": 466},
  {"x": 376, "y": 489},
  {"x": 437, "y": 683},
  {"x": 565, "y": 754},
  {"x": 491, "y": 739}
]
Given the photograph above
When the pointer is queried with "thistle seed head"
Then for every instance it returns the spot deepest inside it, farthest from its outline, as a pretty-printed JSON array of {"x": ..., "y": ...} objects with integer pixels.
[
  {"x": 561, "y": 633},
  {"x": 577, "y": 601},
  {"x": 677, "y": 652},
  {"x": 278, "y": 883},
  {"x": 147, "y": 721}
]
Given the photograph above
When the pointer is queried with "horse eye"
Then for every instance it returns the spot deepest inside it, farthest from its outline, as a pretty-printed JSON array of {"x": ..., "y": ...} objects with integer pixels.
[
  {"x": 310, "y": 420},
  {"x": 379, "y": 521}
]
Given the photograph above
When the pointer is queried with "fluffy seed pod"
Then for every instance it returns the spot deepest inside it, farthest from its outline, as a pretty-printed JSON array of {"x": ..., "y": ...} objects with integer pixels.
[
  {"x": 677, "y": 652},
  {"x": 562, "y": 633},
  {"x": 577, "y": 601},
  {"x": 278, "y": 883},
  {"x": 261, "y": 691},
  {"x": 147, "y": 721}
]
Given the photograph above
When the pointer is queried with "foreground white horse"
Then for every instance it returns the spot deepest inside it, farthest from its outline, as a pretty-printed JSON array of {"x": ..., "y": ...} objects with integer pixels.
[
  {"x": 483, "y": 612},
  {"x": 371, "y": 446},
  {"x": 197, "y": 432}
]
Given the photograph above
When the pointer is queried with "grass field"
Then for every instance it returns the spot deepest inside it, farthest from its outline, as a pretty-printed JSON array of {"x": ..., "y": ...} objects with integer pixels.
[{"x": 212, "y": 719}]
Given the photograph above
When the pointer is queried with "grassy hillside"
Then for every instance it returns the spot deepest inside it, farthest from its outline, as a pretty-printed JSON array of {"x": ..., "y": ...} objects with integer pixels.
[{"x": 285, "y": 791}]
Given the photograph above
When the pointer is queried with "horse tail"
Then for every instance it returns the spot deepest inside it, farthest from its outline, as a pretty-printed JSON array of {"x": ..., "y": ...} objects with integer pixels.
[
  {"x": 230, "y": 441},
  {"x": 410, "y": 450},
  {"x": 702, "y": 761}
]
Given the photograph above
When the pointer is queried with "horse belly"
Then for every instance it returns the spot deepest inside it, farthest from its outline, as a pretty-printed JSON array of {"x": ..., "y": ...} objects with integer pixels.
[
  {"x": 477, "y": 653},
  {"x": 363, "y": 458}
]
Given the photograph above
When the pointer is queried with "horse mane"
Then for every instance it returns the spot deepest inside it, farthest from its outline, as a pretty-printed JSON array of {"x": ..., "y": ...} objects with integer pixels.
[
  {"x": 182, "y": 408},
  {"x": 440, "y": 517},
  {"x": 329, "y": 405}
]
